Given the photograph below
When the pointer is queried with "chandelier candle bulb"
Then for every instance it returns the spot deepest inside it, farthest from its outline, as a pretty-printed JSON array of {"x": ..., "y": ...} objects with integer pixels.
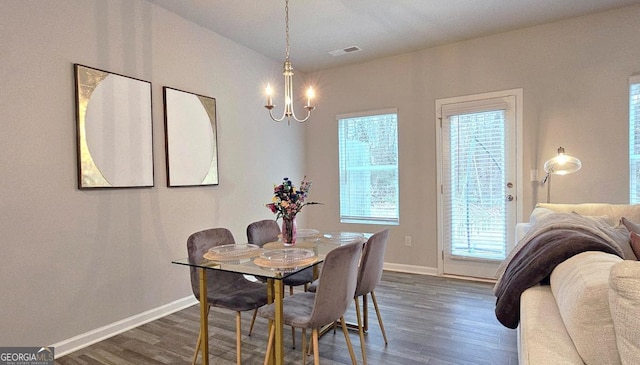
[
  {"x": 310, "y": 95},
  {"x": 269, "y": 91}
]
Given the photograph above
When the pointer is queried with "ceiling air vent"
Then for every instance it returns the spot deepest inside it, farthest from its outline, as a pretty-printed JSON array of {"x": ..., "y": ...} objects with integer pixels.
[{"x": 344, "y": 51}]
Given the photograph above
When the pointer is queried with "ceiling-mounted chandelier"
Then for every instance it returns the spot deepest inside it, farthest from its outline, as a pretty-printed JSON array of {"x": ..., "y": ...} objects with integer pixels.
[{"x": 288, "y": 84}]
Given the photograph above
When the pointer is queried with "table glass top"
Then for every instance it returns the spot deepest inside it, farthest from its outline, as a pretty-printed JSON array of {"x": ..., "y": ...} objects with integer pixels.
[{"x": 274, "y": 260}]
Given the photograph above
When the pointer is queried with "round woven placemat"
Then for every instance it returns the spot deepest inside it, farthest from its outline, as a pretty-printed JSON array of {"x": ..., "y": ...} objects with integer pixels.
[{"x": 278, "y": 244}]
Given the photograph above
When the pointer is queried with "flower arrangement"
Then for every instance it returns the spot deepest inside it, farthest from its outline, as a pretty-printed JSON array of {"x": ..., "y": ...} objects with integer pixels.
[{"x": 289, "y": 200}]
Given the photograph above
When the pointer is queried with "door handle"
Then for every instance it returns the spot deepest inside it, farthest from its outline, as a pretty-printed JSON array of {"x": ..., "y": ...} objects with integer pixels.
[{"x": 510, "y": 197}]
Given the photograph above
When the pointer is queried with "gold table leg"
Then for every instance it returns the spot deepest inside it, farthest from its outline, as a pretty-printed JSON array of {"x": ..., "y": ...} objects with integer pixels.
[
  {"x": 204, "y": 318},
  {"x": 270, "y": 298},
  {"x": 279, "y": 322}
]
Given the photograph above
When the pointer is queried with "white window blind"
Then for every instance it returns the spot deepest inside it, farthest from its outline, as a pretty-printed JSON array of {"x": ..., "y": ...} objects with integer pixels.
[
  {"x": 634, "y": 139},
  {"x": 474, "y": 107},
  {"x": 368, "y": 154},
  {"x": 474, "y": 181}
]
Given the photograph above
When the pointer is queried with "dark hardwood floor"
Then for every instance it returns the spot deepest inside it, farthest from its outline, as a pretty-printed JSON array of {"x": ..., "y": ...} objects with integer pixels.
[{"x": 429, "y": 320}]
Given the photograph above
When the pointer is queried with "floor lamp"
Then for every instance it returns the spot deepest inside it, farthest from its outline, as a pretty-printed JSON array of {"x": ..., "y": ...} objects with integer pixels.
[{"x": 559, "y": 165}]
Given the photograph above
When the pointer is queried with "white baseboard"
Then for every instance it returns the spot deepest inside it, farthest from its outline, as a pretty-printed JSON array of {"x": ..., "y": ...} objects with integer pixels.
[
  {"x": 470, "y": 278},
  {"x": 89, "y": 338},
  {"x": 411, "y": 269},
  {"x": 424, "y": 270}
]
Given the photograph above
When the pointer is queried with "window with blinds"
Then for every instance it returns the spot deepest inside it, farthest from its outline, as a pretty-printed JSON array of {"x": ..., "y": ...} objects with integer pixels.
[
  {"x": 634, "y": 139},
  {"x": 368, "y": 154},
  {"x": 474, "y": 181}
]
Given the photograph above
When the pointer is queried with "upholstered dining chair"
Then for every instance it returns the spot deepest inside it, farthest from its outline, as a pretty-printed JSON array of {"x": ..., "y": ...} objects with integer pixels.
[
  {"x": 338, "y": 280},
  {"x": 369, "y": 275},
  {"x": 261, "y": 232},
  {"x": 224, "y": 289}
]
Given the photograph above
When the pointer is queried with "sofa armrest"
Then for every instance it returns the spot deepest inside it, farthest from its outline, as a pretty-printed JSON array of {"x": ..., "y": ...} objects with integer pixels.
[{"x": 542, "y": 336}]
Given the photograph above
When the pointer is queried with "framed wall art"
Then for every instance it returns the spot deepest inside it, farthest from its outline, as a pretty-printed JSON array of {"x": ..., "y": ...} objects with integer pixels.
[
  {"x": 114, "y": 130},
  {"x": 190, "y": 138}
]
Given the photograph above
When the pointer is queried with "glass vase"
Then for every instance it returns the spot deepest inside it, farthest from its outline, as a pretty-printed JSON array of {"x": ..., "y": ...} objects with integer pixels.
[{"x": 289, "y": 231}]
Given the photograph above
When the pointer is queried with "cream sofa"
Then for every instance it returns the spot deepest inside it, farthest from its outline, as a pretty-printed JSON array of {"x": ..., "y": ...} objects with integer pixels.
[{"x": 590, "y": 311}]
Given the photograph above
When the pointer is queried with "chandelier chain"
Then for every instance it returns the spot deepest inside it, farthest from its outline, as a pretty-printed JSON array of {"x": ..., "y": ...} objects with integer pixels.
[{"x": 286, "y": 29}]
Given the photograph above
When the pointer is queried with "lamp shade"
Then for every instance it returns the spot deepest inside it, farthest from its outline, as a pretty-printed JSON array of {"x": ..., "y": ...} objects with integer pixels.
[{"x": 562, "y": 164}]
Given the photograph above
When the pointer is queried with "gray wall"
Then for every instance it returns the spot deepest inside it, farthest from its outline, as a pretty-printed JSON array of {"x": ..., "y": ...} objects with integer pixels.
[
  {"x": 574, "y": 74},
  {"x": 73, "y": 260}
]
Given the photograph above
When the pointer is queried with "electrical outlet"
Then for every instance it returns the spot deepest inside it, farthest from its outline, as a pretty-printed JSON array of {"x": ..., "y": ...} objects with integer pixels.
[{"x": 407, "y": 240}]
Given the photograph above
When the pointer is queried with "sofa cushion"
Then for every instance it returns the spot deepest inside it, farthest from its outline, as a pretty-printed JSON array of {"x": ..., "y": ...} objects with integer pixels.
[
  {"x": 633, "y": 228},
  {"x": 612, "y": 211},
  {"x": 624, "y": 302},
  {"x": 635, "y": 244},
  {"x": 539, "y": 213},
  {"x": 580, "y": 286}
]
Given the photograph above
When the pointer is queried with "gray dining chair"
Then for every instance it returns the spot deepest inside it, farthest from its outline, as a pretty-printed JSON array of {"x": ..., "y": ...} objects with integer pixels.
[
  {"x": 224, "y": 289},
  {"x": 261, "y": 232},
  {"x": 369, "y": 275},
  {"x": 338, "y": 281}
]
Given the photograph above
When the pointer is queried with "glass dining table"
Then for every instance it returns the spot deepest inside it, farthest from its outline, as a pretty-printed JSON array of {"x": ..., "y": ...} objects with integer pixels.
[{"x": 316, "y": 245}]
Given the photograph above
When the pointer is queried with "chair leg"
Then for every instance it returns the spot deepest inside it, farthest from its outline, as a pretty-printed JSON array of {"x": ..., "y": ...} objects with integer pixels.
[
  {"x": 346, "y": 337},
  {"x": 360, "y": 332},
  {"x": 304, "y": 346},
  {"x": 293, "y": 337},
  {"x": 293, "y": 329},
  {"x": 195, "y": 355},
  {"x": 310, "y": 346},
  {"x": 316, "y": 354},
  {"x": 375, "y": 304},
  {"x": 238, "y": 338},
  {"x": 272, "y": 333},
  {"x": 365, "y": 313},
  {"x": 253, "y": 321}
]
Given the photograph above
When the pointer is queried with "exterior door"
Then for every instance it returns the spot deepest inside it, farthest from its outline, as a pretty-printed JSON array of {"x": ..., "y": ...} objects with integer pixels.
[{"x": 478, "y": 181}]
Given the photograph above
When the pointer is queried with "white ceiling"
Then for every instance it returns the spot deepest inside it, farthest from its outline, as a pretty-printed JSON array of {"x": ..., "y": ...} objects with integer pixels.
[{"x": 379, "y": 27}]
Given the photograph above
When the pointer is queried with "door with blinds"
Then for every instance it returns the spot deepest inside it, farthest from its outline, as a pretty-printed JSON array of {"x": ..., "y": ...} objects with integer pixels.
[{"x": 477, "y": 176}]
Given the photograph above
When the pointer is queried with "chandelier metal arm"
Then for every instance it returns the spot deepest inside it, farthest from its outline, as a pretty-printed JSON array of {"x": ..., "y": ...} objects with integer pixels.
[{"x": 284, "y": 115}]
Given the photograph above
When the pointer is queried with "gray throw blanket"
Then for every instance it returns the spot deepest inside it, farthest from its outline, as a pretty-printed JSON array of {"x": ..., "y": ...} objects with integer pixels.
[{"x": 550, "y": 241}]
